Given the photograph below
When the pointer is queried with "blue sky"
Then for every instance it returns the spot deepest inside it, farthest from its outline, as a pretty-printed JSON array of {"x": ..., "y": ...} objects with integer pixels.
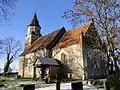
[{"x": 49, "y": 13}]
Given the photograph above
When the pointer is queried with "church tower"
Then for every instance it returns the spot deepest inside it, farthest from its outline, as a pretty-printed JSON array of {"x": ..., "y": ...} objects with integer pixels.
[{"x": 33, "y": 32}]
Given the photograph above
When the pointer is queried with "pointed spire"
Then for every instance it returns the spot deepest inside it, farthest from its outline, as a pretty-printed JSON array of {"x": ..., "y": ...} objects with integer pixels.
[{"x": 35, "y": 21}]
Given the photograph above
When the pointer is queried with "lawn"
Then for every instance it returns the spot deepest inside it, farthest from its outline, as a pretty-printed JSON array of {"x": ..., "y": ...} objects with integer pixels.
[{"x": 12, "y": 81}]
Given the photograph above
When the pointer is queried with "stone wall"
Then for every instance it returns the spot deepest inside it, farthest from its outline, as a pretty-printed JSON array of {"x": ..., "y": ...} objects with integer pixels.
[
  {"x": 95, "y": 62},
  {"x": 21, "y": 62},
  {"x": 94, "y": 57},
  {"x": 74, "y": 59},
  {"x": 26, "y": 63}
]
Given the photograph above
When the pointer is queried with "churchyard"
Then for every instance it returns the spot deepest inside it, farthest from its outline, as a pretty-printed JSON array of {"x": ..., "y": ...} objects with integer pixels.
[{"x": 17, "y": 83}]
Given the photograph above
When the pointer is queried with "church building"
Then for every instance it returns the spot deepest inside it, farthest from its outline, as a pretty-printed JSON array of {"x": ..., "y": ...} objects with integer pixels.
[{"x": 73, "y": 53}]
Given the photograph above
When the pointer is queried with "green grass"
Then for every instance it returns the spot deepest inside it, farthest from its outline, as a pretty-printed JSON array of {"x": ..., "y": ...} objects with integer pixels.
[
  {"x": 13, "y": 81},
  {"x": 67, "y": 80}
]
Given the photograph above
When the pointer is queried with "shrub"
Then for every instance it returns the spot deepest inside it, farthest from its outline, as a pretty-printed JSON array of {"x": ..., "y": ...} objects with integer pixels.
[
  {"x": 18, "y": 76},
  {"x": 95, "y": 82},
  {"x": 2, "y": 82},
  {"x": 114, "y": 81},
  {"x": 100, "y": 83},
  {"x": 69, "y": 80},
  {"x": 91, "y": 81}
]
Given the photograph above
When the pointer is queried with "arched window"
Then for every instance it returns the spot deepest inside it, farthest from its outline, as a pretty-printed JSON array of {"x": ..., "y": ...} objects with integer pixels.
[{"x": 63, "y": 58}]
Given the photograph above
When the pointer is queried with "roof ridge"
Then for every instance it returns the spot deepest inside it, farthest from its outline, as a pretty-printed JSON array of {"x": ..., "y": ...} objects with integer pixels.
[
  {"x": 72, "y": 36},
  {"x": 47, "y": 34},
  {"x": 40, "y": 38},
  {"x": 81, "y": 26}
]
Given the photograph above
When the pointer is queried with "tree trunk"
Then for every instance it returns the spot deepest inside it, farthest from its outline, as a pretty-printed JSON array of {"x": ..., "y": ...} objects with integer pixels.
[
  {"x": 116, "y": 66},
  {"x": 6, "y": 67}
]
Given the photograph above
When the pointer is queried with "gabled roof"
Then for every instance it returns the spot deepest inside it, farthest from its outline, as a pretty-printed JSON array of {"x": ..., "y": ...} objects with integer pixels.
[
  {"x": 43, "y": 41},
  {"x": 47, "y": 61},
  {"x": 72, "y": 36}
]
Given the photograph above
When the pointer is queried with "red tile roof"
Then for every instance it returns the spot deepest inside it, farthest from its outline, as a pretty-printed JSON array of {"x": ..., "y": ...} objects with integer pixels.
[
  {"x": 43, "y": 41},
  {"x": 69, "y": 37},
  {"x": 72, "y": 36}
]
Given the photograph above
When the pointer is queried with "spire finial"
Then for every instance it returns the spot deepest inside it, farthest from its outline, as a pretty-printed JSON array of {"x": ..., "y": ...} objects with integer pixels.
[{"x": 35, "y": 15}]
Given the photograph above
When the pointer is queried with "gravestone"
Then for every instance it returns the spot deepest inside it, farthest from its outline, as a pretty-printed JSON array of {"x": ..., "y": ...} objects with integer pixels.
[
  {"x": 28, "y": 86},
  {"x": 77, "y": 86}
]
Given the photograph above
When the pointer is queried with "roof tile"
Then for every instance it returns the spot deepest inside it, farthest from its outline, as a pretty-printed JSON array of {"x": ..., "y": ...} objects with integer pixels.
[
  {"x": 72, "y": 36},
  {"x": 43, "y": 41}
]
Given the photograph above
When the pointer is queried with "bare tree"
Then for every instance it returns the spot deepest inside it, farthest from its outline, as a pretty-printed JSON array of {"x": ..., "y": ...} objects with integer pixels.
[
  {"x": 0, "y": 45},
  {"x": 6, "y": 7},
  {"x": 10, "y": 49},
  {"x": 105, "y": 15}
]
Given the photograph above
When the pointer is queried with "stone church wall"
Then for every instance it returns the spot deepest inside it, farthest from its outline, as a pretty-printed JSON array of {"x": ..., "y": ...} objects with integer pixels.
[
  {"x": 26, "y": 65},
  {"x": 74, "y": 59},
  {"x": 95, "y": 64},
  {"x": 94, "y": 57},
  {"x": 21, "y": 62}
]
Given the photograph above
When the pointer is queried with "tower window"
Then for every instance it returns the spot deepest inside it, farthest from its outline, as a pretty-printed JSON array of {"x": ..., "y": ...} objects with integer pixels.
[{"x": 63, "y": 58}]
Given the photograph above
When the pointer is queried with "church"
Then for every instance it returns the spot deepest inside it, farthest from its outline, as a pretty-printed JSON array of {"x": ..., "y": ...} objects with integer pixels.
[{"x": 73, "y": 53}]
